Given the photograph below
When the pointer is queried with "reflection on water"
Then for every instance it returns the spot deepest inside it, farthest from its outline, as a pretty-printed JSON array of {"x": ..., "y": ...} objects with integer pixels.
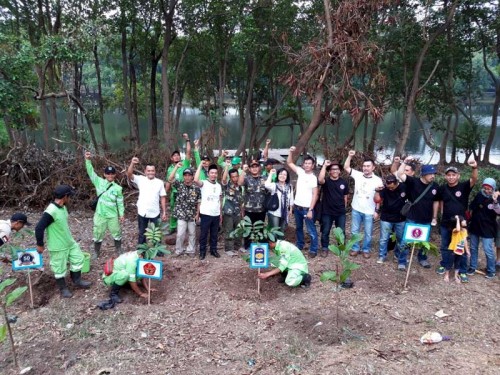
[{"x": 193, "y": 123}]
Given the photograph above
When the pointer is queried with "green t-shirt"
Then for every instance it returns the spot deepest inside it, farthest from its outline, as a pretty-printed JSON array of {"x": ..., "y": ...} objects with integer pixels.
[
  {"x": 110, "y": 202},
  {"x": 58, "y": 234}
]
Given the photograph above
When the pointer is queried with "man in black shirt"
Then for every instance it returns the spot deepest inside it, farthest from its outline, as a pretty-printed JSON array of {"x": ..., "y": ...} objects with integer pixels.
[
  {"x": 454, "y": 197},
  {"x": 334, "y": 199},
  {"x": 425, "y": 210},
  {"x": 392, "y": 198}
]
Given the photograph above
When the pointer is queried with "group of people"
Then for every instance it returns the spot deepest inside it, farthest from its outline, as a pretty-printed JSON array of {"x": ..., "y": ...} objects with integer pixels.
[{"x": 198, "y": 196}]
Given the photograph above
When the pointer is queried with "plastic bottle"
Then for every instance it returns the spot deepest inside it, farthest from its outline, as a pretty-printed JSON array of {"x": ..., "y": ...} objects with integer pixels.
[{"x": 433, "y": 338}]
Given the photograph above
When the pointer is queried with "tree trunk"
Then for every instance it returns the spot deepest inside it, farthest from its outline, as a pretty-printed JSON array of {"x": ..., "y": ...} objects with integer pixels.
[
  {"x": 100, "y": 100},
  {"x": 252, "y": 70},
  {"x": 53, "y": 112},
  {"x": 126, "y": 94},
  {"x": 136, "y": 139},
  {"x": 153, "y": 133},
  {"x": 494, "y": 121}
]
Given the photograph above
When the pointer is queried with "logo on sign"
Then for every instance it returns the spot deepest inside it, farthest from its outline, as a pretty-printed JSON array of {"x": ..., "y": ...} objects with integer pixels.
[{"x": 416, "y": 233}]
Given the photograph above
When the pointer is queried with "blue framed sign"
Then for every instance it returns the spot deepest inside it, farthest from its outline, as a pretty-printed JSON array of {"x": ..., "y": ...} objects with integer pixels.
[
  {"x": 416, "y": 232},
  {"x": 29, "y": 258},
  {"x": 149, "y": 269},
  {"x": 259, "y": 255}
]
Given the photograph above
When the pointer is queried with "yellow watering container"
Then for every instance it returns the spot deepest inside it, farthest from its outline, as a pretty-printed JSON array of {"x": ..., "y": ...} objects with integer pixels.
[{"x": 86, "y": 262}]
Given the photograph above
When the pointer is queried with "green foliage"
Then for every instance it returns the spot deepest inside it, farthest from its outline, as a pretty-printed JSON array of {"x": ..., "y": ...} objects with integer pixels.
[
  {"x": 341, "y": 250},
  {"x": 7, "y": 300},
  {"x": 427, "y": 247},
  {"x": 256, "y": 232},
  {"x": 154, "y": 235}
]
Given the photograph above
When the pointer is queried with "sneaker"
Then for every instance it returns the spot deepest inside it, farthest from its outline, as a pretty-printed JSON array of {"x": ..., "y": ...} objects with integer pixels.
[
  {"x": 490, "y": 275},
  {"x": 464, "y": 278},
  {"x": 324, "y": 253},
  {"x": 312, "y": 255},
  {"x": 401, "y": 267},
  {"x": 424, "y": 263},
  {"x": 380, "y": 260},
  {"x": 471, "y": 271},
  {"x": 243, "y": 250},
  {"x": 440, "y": 270}
]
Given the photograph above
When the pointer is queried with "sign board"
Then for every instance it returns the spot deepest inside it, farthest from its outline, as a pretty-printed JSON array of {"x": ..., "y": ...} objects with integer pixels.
[
  {"x": 149, "y": 269},
  {"x": 416, "y": 232},
  {"x": 259, "y": 255},
  {"x": 29, "y": 258}
]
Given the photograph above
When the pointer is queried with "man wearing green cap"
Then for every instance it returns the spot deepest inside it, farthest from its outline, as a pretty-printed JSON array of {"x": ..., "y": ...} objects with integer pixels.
[
  {"x": 62, "y": 247},
  {"x": 292, "y": 265}
]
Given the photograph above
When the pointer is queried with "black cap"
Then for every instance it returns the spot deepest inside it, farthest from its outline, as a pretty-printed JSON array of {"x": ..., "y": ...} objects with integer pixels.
[
  {"x": 62, "y": 190},
  {"x": 205, "y": 157},
  {"x": 20, "y": 217},
  {"x": 268, "y": 162},
  {"x": 254, "y": 162},
  {"x": 187, "y": 171},
  {"x": 109, "y": 170},
  {"x": 391, "y": 178}
]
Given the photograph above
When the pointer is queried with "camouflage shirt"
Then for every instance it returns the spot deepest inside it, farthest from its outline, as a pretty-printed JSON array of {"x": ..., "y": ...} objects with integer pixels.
[
  {"x": 186, "y": 202},
  {"x": 233, "y": 193},
  {"x": 255, "y": 192}
]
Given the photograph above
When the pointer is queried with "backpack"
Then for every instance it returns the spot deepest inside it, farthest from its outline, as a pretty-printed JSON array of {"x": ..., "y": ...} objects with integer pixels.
[{"x": 108, "y": 266}]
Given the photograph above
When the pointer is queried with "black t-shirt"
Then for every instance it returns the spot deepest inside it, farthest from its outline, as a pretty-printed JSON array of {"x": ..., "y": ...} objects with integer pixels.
[
  {"x": 333, "y": 192},
  {"x": 393, "y": 202},
  {"x": 455, "y": 200},
  {"x": 484, "y": 219},
  {"x": 421, "y": 212}
]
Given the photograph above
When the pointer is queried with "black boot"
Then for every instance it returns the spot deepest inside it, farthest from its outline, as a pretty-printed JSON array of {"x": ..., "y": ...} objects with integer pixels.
[
  {"x": 118, "y": 246},
  {"x": 306, "y": 280},
  {"x": 97, "y": 250},
  {"x": 77, "y": 280},
  {"x": 63, "y": 288},
  {"x": 202, "y": 254},
  {"x": 283, "y": 276},
  {"x": 114, "y": 294},
  {"x": 215, "y": 253}
]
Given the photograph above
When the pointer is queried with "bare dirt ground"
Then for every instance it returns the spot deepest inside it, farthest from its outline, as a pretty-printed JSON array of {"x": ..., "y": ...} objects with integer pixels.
[{"x": 207, "y": 318}]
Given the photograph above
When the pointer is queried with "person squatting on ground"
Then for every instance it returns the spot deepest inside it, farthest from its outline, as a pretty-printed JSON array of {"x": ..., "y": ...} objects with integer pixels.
[
  {"x": 175, "y": 158},
  {"x": 16, "y": 223},
  {"x": 125, "y": 271},
  {"x": 210, "y": 210},
  {"x": 306, "y": 196},
  {"x": 255, "y": 191},
  {"x": 292, "y": 265},
  {"x": 61, "y": 245},
  {"x": 151, "y": 194},
  {"x": 484, "y": 209},
  {"x": 423, "y": 193},
  {"x": 454, "y": 197},
  {"x": 391, "y": 199},
  {"x": 335, "y": 192},
  {"x": 110, "y": 210},
  {"x": 232, "y": 207},
  {"x": 364, "y": 208},
  {"x": 280, "y": 216},
  {"x": 186, "y": 209},
  {"x": 457, "y": 249}
]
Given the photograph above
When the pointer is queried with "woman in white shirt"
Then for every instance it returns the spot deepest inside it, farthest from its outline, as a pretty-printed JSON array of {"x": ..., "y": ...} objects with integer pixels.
[{"x": 279, "y": 217}]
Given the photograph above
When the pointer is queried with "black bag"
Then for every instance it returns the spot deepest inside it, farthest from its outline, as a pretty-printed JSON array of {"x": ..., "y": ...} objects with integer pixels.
[
  {"x": 229, "y": 208},
  {"x": 406, "y": 208},
  {"x": 93, "y": 203},
  {"x": 271, "y": 202}
]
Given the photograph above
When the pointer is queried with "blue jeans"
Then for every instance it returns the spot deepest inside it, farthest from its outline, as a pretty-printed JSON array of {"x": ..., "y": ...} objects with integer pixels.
[
  {"x": 300, "y": 214},
  {"x": 327, "y": 222},
  {"x": 489, "y": 251},
  {"x": 356, "y": 219},
  {"x": 386, "y": 229},
  {"x": 143, "y": 224},
  {"x": 445, "y": 243}
]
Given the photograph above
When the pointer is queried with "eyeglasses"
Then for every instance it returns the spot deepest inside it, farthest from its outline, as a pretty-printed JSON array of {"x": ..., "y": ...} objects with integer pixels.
[{"x": 335, "y": 169}]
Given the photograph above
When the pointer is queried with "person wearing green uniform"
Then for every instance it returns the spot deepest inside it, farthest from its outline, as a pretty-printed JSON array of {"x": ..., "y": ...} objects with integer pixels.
[
  {"x": 292, "y": 265},
  {"x": 125, "y": 271},
  {"x": 110, "y": 210},
  {"x": 204, "y": 160},
  {"x": 174, "y": 159},
  {"x": 61, "y": 245}
]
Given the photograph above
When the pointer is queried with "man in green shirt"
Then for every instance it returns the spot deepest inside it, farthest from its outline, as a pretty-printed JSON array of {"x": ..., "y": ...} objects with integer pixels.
[
  {"x": 62, "y": 247},
  {"x": 110, "y": 210},
  {"x": 174, "y": 159},
  {"x": 292, "y": 265}
]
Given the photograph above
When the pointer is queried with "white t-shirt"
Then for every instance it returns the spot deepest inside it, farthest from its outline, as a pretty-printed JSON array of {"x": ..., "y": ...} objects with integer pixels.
[
  {"x": 150, "y": 191},
  {"x": 364, "y": 191},
  {"x": 272, "y": 187},
  {"x": 306, "y": 182},
  {"x": 210, "y": 198},
  {"x": 5, "y": 230}
]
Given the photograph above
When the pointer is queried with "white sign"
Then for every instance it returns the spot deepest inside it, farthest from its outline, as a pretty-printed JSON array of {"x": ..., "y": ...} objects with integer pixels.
[
  {"x": 149, "y": 269},
  {"x": 416, "y": 232}
]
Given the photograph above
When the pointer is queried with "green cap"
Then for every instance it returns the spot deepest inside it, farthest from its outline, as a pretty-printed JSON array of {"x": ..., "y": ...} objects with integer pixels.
[{"x": 236, "y": 160}]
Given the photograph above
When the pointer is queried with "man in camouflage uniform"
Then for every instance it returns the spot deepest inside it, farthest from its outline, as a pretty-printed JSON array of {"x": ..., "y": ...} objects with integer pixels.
[
  {"x": 254, "y": 193},
  {"x": 231, "y": 207},
  {"x": 109, "y": 213},
  {"x": 186, "y": 209}
]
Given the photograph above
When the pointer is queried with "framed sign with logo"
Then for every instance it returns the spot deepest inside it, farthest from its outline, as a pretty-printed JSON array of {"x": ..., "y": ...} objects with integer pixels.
[
  {"x": 26, "y": 259},
  {"x": 416, "y": 232},
  {"x": 259, "y": 255},
  {"x": 149, "y": 269}
]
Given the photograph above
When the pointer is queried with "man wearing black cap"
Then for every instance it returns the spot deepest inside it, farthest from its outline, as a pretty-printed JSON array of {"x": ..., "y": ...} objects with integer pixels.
[
  {"x": 62, "y": 247},
  {"x": 391, "y": 200},
  {"x": 175, "y": 158},
  {"x": 16, "y": 222},
  {"x": 203, "y": 160},
  {"x": 110, "y": 209},
  {"x": 186, "y": 210}
]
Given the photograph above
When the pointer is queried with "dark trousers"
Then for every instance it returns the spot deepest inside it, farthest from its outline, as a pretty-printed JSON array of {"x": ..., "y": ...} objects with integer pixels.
[
  {"x": 254, "y": 216},
  {"x": 208, "y": 224},
  {"x": 143, "y": 224}
]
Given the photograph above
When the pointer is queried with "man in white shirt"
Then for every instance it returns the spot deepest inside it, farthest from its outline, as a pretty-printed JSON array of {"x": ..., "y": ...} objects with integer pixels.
[
  {"x": 306, "y": 196},
  {"x": 364, "y": 208},
  {"x": 151, "y": 194},
  {"x": 210, "y": 209},
  {"x": 16, "y": 222}
]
